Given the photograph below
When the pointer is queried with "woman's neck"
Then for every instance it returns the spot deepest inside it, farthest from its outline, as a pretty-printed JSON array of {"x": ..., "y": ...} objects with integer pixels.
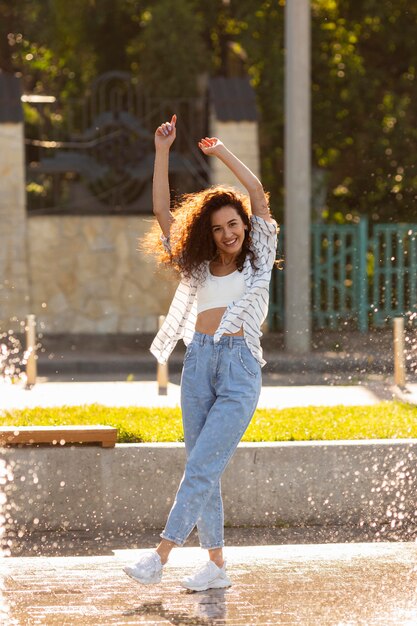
[{"x": 225, "y": 259}]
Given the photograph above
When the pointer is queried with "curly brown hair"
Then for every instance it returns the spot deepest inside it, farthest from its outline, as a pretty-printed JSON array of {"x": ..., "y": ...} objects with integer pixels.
[{"x": 191, "y": 240}]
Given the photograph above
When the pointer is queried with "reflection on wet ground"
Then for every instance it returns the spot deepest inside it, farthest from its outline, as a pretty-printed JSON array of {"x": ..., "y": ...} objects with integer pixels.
[{"x": 352, "y": 584}]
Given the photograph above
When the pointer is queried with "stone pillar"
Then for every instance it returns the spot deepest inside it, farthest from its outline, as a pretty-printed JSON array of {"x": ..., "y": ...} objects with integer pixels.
[
  {"x": 241, "y": 137},
  {"x": 297, "y": 177},
  {"x": 14, "y": 284},
  {"x": 233, "y": 117}
]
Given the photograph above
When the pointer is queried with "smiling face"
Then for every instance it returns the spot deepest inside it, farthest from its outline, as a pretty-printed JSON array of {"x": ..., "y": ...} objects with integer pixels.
[{"x": 228, "y": 230}]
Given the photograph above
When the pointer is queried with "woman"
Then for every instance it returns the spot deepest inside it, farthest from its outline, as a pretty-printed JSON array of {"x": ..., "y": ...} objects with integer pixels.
[{"x": 223, "y": 242}]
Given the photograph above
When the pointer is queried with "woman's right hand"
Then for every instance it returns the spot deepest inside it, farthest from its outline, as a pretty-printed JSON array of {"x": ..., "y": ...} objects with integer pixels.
[{"x": 165, "y": 134}]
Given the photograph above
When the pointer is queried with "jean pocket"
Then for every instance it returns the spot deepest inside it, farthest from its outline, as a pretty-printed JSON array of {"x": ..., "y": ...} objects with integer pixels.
[
  {"x": 248, "y": 361},
  {"x": 189, "y": 351}
]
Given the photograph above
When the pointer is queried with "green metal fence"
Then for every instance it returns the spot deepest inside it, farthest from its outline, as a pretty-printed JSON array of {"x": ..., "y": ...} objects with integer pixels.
[
  {"x": 394, "y": 276},
  {"x": 359, "y": 275}
]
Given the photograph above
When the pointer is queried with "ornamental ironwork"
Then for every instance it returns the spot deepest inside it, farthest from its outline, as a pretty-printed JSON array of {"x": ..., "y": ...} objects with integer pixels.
[{"x": 96, "y": 155}]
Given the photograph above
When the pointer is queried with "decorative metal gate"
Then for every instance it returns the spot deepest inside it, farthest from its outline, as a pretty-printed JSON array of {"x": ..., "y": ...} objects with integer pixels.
[
  {"x": 394, "y": 271},
  {"x": 337, "y": 273},
  {"x": 99, "y": 158},
  {"x": 357, "y": 277}
]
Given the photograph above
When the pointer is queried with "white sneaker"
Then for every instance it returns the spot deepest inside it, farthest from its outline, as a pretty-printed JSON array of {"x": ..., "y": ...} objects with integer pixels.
[
  {"x": 210, "y": 576},
  {"x": 148, "y": 570}
]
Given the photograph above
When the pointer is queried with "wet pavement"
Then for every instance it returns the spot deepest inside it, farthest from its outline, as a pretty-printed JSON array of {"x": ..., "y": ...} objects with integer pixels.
[{"x": 305, "y": 585}]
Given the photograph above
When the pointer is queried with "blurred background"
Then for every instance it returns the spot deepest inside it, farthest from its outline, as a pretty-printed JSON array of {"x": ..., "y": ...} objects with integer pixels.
[{"x": 83, "y": 84}]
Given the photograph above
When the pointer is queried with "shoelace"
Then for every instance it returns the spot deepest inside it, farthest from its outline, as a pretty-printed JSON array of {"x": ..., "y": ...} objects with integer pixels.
[
  {"x": 205, "y": 568},
  {"x": 149, "y": 559}
]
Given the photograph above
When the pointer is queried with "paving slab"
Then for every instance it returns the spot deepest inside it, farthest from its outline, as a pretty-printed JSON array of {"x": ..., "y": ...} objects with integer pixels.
[{"x": 304, "y": 585}]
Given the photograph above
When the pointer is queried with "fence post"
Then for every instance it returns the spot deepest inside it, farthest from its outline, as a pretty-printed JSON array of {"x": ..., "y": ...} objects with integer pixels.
[
  {"x": 399, "y": 354},
  {"x": 162, "y": 368},
  {"x": 31, "y": 365},
  {"x": 362, "y": 275}
]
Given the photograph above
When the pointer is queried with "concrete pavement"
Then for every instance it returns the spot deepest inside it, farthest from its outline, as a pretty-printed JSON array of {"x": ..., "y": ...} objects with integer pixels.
[
  {"x": 296, "y": 585},
  {"x": 145, "y": 393},
  {"x": 343, "y": 367}
]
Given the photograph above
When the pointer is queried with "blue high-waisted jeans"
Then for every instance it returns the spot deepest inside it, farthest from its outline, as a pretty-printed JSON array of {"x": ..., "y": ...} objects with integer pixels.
[{"x": 220, "y": 389}]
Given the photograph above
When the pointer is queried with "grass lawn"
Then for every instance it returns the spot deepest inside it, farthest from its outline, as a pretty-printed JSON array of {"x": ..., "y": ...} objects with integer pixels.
[{"x": 387, "y": 420}]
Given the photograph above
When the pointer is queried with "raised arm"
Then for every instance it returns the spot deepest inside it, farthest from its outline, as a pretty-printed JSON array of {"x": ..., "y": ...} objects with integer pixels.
[
  {"x": 164, "y": 138},
  {"x": 259, "y": 204}
]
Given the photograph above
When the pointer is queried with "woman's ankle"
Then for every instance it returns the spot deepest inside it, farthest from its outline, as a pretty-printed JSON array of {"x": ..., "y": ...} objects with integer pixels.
[
  {"x": 164, "y": 549},
  {"x": 217, "y": 557},
  {"x": 164, "y": 559}
]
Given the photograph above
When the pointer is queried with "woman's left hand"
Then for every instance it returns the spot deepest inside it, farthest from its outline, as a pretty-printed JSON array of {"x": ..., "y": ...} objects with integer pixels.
[{"x": 210, "y": 145}]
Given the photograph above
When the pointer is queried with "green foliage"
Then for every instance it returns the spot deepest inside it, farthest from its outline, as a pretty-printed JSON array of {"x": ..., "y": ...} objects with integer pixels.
[
  {"x": 17, "y": 20},
  {"x": 169, "y": 54},
  {"x": 364, "y": 123},
  {"x": 262, "y": 37},
  {"x": 364, "y": 60},
  {"x": 363, "y": 85},
  {"x": 387, "y": 420}
]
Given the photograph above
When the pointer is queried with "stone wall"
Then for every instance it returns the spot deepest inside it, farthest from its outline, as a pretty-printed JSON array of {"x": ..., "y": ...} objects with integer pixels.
[
  {"x": 14, "y": 292},
  {"x": 290, "y": 483},
  {"x": 87, "y": 275}
]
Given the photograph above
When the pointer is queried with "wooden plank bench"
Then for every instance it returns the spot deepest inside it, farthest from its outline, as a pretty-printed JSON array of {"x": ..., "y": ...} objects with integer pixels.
[{"x": 58, "y": 435}]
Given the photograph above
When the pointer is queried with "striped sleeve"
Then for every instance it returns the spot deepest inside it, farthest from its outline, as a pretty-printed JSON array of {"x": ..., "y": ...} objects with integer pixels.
[
  {"x": 264, "y": 240},
  {"x": 179, "y": 322},
  {"x": 166, "y": 243}
]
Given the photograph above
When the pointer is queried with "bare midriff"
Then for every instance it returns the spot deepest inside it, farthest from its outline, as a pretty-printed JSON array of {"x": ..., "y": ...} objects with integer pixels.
[{"x": 209, "y": 321}]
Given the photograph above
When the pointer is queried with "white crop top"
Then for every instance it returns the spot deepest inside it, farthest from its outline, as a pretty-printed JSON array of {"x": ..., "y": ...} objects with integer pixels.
[{"x": 220, "y": 291}]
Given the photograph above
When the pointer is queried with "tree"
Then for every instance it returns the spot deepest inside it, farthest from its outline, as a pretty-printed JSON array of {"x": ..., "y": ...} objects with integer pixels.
[
  {"x": 364, "y": 123},
  {"x": 17, "y": 21},
  {"x": 168, "y": 53},
  {"x": 364, "y": 129},
  {"x": 247, "y": 37},
  {"x": 364, "y": 62}
]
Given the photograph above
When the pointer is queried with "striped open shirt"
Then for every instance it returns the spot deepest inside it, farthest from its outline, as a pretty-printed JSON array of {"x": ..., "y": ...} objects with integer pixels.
[{"x": 249, "y": 312}]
